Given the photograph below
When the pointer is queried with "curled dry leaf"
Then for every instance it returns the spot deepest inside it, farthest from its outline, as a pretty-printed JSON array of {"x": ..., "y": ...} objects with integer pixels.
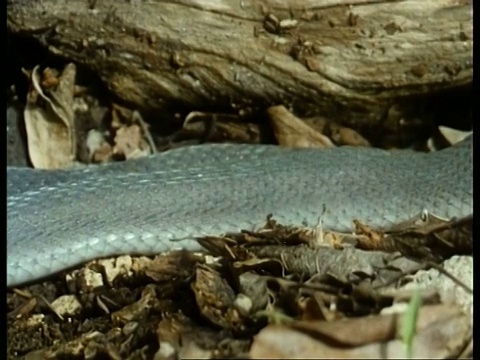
[
  {"x": 49, "y": 120},
  {"x": 453, "y": 136},
  {"x": 445, "y": 137},
  {"x": 215, "y": 298}
]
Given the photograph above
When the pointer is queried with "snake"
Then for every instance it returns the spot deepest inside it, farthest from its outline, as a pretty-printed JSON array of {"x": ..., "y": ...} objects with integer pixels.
[{"x": 59, "y": 219}]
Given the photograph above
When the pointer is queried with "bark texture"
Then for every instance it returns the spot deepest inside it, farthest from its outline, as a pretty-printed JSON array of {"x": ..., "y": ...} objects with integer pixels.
[{"x": 362, "y": 63}]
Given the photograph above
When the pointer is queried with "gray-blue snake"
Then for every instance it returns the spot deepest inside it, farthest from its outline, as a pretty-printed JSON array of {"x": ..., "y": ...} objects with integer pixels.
[{"x": 58, "y": 219}]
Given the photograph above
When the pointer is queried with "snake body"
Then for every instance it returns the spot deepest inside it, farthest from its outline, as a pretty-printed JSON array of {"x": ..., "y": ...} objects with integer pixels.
[{"x": 58, "y": 219}]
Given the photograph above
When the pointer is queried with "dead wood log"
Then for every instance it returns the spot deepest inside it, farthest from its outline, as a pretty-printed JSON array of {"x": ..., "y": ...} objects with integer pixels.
[{"x": 365, "y": 63}]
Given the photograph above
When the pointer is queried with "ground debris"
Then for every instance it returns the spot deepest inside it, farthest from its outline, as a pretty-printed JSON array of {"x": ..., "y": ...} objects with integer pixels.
[
  {"x": 433, "y": 239},
  {"x": 302, "y": 287}
]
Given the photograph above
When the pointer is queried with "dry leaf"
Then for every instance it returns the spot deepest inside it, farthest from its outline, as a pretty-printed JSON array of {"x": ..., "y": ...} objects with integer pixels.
[
  {"x": 215, "y": 298},
  {"x": 129, "y": 143},
  {"x": 50, "y": 126},
  {"x": 139, "y": 310},
  {"x": 341, "y": 135},
  {"x": 431, "y": 238},
  {"x": 293, "y": 132},
  {"x": 441, "y": 332},
  {"x": 132, "y": 139},
  {"x": 453, "y": 136},
  {"x": 172, "y": 266},
  {"x": 444, "y": 137}
]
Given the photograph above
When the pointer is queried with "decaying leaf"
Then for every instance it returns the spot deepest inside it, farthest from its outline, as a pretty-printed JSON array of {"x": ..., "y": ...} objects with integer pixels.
[
  {"x": 430, "y": 239},
  {"x": 49, "y": 119},
  {"x": 215, "y": 298},
  {"x": 139, "y": 310},
  {"x": 172, "y": 266}
]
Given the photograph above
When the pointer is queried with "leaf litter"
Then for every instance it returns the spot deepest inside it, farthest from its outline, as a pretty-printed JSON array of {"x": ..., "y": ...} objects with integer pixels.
[{"x": 277, "y": 293}]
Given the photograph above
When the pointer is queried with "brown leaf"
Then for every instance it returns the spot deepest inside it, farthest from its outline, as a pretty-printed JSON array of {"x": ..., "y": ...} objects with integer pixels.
[
  {"x": 173, "y": 265},
  {"x": 138, "y": 310},
  {"x": 215, "y": 298},
  {"x": 340, "y": 135},
  {"x": 129, "y": 142},
  {"x": 132, "y": 135},
  {"x": 293, "y": 132},
  {"x": 50, "y": 125},
  {"x": 429, "y": 239},
  {"x": 441, "y": 332}
]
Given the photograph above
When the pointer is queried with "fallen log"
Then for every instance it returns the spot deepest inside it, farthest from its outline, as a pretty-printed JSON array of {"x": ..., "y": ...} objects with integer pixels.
[{"x": 364, "y": 63}]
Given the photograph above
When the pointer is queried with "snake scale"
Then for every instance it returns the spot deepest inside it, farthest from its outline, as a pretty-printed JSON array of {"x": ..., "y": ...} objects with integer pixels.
[{"x": 61, "y": 218}]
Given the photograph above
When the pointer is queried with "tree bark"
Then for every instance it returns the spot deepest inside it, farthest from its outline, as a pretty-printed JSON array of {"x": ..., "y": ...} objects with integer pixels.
[{"x": 362, "y": 63}]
